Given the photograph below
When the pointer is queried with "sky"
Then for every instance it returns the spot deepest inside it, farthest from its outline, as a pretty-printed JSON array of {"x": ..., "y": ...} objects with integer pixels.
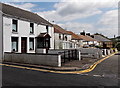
[{"x": 94, "y": 16}]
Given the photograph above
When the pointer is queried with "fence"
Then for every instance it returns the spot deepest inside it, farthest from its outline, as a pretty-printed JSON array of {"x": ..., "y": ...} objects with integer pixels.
[{"x": 69, "y": 55}]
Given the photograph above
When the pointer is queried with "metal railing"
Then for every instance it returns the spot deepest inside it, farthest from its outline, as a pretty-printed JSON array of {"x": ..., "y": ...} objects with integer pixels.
[{"x": 69, "y": 55}]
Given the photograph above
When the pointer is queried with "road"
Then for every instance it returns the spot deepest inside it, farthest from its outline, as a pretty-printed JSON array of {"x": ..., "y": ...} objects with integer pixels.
[{"x": 105, "y": 74}]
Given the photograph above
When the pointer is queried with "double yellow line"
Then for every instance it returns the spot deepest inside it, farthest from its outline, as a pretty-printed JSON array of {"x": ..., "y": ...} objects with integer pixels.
[{"x": 92, "y": 67}]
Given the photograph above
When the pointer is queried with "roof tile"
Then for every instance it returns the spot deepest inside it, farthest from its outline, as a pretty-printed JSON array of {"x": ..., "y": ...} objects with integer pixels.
[{"x": 58, "y": 29}]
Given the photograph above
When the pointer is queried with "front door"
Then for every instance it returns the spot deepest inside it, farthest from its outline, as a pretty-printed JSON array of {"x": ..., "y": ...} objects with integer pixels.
[{"x": 23, "y": 45}]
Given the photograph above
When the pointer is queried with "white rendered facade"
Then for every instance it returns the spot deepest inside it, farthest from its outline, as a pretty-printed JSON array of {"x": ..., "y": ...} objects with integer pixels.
[
  {"x": 23, "y": 30},
  {"x": 77, "y": 43},
  {"x": 60, "y": 42}
]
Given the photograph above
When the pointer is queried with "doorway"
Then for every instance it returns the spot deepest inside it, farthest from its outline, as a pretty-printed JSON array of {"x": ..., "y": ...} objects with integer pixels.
[{"x": 23, "y": 45}]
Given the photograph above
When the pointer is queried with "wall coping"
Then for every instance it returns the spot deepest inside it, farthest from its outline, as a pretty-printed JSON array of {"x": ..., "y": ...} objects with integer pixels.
[{"x": 31, "y": 53}]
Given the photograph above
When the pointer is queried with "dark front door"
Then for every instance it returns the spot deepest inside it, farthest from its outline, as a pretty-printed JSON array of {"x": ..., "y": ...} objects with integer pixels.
[{"x": 24, "y": 45}]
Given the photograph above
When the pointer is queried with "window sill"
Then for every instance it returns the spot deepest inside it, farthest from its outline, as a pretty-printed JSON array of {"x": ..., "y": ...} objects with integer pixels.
[
  {"x": 43, "y": 47},
  {"x": 31, "y": 33},
  {"x": 14, "y": 32},
  {"x": 31, "y": 50},
  {"x": 14, "y": 51}
]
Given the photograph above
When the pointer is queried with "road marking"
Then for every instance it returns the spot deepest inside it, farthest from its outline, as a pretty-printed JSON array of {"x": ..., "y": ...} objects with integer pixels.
[
  {"x": 97, "y": 75},
  {"x": 83, "y": 74},
  {"x": 92, "y": 67}
]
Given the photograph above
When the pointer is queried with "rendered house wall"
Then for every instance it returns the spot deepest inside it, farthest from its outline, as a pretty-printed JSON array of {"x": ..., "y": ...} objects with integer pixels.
[
  {"x": 23, "y": 31},
  {"x": 60, "y": 43},
  {"x": 51, "y": 33},
  {"x": 57, "y": 41}
]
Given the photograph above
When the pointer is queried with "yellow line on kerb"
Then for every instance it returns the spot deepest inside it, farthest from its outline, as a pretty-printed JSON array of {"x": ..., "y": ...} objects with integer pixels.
[{"x": 92, "y": 67}]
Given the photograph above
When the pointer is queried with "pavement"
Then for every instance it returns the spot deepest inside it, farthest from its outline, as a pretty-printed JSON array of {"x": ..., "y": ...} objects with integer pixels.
[{"x": 68, "y": 66}]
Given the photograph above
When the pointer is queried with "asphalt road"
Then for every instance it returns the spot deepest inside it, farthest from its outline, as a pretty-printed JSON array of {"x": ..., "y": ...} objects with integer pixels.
[
  {"x": 105, "y": 74},
  {"x": 108, "y": 68}
]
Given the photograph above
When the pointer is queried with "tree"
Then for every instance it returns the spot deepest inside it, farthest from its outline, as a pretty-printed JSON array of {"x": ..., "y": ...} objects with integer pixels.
[
  {"x": 118, "y": 46},
  {"x": 116, "y": 42}
]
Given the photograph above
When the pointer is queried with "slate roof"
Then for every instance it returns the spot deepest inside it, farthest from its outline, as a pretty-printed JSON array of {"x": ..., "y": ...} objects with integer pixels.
[
  {"x": 58, "y": 29},
  {"x": 101, "y": 38},
  {"x": 23, "y": 14},
  {"x": 74, "y": 36},
  {"x": 87, "y": 38}
]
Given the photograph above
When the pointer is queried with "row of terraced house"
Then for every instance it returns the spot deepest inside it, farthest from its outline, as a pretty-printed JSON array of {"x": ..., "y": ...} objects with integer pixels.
[
  {"x": 22, "y": 31},
  {"x": 65, "y": 39}
]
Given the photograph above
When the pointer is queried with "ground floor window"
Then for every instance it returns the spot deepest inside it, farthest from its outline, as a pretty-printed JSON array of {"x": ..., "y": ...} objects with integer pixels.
[
  {"x": 31, "y": 44},
  {"x": 43, "y": 42},
  {"x": 14, "y": 41}
]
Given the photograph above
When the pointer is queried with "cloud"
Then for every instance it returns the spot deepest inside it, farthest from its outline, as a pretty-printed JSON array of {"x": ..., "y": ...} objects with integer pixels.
[
  {"x": 77, "y": 27},
  {"x": 76, "y": 9},
  {"x": 110, "y": 19},
  {"x": 109, "y": 23},
  {"x": 68, "y": 12}
]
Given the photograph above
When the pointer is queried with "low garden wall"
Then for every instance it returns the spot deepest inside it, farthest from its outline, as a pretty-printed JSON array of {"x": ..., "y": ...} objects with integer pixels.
[
  {"x": 94, "y": 53},
  {"x": 82, "y": 52},
  {"x": 39, "y": 59}
]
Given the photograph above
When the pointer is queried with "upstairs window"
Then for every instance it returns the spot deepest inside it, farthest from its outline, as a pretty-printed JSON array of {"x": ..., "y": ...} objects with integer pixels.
[
  {"x": 31, "y": 44},
  {"x": 70, "y": 45},
  {"x": 47, "y": 28},
  {"x": 14, "y": 25},
  {"x": 60, "y": 36},
  {"x": 14, "y": 42},
  {"x": 65, "y": 38},
  {"x": 31, "y": 28}
]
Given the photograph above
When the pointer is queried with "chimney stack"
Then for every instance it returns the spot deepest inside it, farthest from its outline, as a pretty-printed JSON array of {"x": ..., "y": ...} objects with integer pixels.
[
  {"x": 88, "y": 34},
  {"x": 82, "y": 33},
  {"x": 92, "y": 36}
]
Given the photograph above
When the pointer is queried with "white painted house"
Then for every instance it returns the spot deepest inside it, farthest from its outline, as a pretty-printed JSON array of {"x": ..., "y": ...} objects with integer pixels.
[
  {"x": 22, "y": 31},
  {"x": 62, "y": 38},
  {"x": 88, "y": 40},
  {"x": 76, "y": 40}
]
